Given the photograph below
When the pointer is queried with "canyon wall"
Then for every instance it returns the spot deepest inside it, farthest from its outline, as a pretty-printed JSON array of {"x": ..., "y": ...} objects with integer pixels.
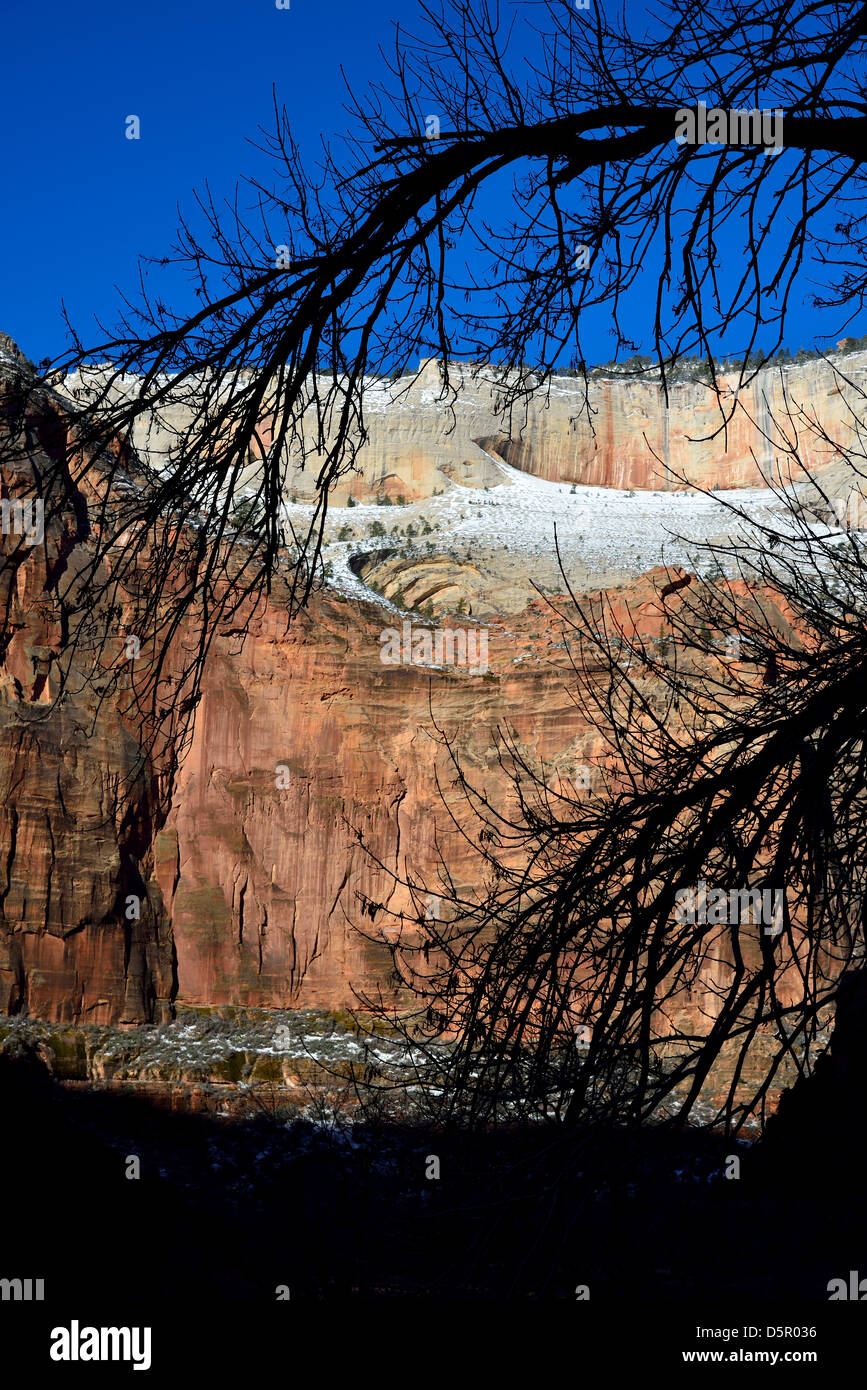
[
  {"x": 630, "y": 437},
  {"x": 246, "y": 882},
  {"x": 78, "y": 801},
  {"x": 618, "y": 432},
  {"x": 267, "y": 884},
  {"x": 263, "y": 867}
]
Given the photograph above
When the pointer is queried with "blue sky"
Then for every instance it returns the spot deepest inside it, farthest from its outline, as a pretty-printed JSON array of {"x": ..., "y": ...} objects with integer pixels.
[{"x": 82, "y": 201}]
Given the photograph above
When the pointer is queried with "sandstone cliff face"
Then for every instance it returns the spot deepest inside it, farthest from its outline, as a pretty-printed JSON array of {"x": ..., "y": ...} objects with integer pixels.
[
  {"x": 245, "y": 890},
  {"x": 77, "y": 798},
  {"x": 251, "y": 879},
  {"x": 620, "y": 432},
  {"x": 76, "y": 829},
  {"x": 267, "y": 885}
]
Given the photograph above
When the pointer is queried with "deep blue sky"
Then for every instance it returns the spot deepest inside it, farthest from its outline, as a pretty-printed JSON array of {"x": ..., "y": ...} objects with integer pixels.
[{"x": 82, "y": 201}]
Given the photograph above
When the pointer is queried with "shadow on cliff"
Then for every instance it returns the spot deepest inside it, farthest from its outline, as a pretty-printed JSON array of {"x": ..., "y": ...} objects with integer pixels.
[{"x": 225, "y": 1213}]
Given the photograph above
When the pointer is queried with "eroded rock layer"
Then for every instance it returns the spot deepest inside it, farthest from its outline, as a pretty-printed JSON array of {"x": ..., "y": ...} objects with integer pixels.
[
  {"x": 261, "y": 871},
  {"x": 423, "y": 433}
]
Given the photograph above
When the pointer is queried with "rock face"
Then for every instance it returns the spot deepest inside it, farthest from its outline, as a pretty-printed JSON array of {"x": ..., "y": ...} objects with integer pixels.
[
  {"x": 77, "y": 799},
  {"x": 248, "y": 882},
  {"x": 261, "y": 869},
  {"x": 619, "y": 432},
  {"x": 76, "y": 829},
  {"x": 265, "y": 884},
  {"x": 634, "y": 439}
]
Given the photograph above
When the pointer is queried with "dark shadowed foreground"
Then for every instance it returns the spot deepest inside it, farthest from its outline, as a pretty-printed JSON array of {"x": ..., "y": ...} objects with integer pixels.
[{"x": 226, "y": 1213}]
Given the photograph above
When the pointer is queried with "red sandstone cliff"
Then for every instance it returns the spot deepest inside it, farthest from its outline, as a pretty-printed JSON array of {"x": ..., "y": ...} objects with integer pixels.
[
  {"x": 251, "y": 882},
  {"x": 78, "y": 802}
]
